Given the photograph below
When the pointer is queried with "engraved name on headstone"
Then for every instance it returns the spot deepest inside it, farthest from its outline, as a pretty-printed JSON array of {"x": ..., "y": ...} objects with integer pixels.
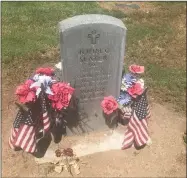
[{"x": 92, "y": 54}]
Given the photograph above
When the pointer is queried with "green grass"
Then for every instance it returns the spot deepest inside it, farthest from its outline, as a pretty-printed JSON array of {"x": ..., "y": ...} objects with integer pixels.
[
  {"x": 155, "y": 40},
  {"x": 28, "y": 27}
]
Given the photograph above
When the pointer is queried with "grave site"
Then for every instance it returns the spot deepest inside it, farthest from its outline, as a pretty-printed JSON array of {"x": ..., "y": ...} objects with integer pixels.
[{"x": 91, "y": 106}]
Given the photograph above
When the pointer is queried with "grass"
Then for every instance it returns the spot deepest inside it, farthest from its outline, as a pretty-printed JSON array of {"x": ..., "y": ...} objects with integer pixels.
[
  {"x": 28, "y": 27},
  {"x": 155, "y": 39}
]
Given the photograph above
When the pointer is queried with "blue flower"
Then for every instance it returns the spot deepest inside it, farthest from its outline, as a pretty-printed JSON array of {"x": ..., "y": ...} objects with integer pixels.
[
  {"x": 129, "y": 78},
  {"x": 124, "y": 98},
  {"x": 127, "y": 81}
]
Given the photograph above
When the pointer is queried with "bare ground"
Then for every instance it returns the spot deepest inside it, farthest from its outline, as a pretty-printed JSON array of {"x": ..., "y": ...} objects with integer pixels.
[
  {"x": 165, "y": 157},
  {"x": 126, "y": 6}
]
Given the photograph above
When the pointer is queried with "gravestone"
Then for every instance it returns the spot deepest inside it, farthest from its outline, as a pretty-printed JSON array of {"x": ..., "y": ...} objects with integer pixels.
[{"x": 92, "y": 54}]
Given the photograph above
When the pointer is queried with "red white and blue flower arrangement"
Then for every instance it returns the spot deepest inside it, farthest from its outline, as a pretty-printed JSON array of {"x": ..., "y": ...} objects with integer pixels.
[
  {"x": 42, "y": 101},
  {"x": 59, "y": 93},
  {"x": 131, "y": 106}
]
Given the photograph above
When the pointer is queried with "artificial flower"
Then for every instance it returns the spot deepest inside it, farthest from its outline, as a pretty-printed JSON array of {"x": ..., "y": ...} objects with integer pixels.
[
  {"x": 124, "y": 98},
  {"x": 62, "y": 93},
  {"x": 136, "y": 69},
  {"x": 25, "y": 93},
  {"x": 141, "y": 82},
  {"x": 129, "y": 78},
  {"x": 44, "y": 80},
  {"x": 135, "y": 90},
  {"x": 127, "y": 81},
  {"x": 109, "y": 105},
  {"x": 124, "y": 87},
  {"x": 45, "y": 71}
]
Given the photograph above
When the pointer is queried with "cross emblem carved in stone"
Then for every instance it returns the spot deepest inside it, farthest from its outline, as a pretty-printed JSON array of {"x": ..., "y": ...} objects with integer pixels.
[{"x": 93, "y": 36}]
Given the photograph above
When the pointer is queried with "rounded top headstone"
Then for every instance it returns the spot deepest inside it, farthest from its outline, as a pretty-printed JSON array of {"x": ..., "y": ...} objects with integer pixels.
[
  {"x": 90, "y": 19},
  {"x": 92, "y": 49}
]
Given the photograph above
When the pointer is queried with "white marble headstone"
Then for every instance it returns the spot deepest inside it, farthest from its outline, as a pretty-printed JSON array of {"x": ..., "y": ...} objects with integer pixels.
[{"x": 92, "y": 54}]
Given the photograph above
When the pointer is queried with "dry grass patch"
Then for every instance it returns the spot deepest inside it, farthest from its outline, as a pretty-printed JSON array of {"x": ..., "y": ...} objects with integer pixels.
[
  {"x": 22, "y": 67},
  {"x": 128, "y": 7}
]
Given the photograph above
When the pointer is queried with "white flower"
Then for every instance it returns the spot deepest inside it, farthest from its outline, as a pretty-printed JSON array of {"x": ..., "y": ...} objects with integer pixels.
[
  {"x": 141, "y": 82},
  {"x": 124, "y": 87},
  {"x": 45, "y": 80}
]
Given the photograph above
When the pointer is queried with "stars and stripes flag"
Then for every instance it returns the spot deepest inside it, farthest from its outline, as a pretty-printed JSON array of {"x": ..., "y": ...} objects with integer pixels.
[
  {"x": 137, "y": 129},
  {"x": 25, "y": 129},
  {"x": 45, "y": 117},
  {"x": 127, "y": 112},
  {"x": 23, "y": 133}
]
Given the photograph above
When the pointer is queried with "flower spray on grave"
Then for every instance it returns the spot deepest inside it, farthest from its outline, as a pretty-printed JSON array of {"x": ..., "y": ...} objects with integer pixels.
[
  {"x": 132, "y": 86},
  {"x": 110, "y": 111},
  {"x": 130, "y": 108},
  {"x": 41, "y": 101}
]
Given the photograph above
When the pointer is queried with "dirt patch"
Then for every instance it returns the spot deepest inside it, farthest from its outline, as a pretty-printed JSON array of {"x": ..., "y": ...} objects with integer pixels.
[
  {"x": 128, "y": 7},
  {"x": 181, "y": 158},
  {"x": 164, "y": 157}
]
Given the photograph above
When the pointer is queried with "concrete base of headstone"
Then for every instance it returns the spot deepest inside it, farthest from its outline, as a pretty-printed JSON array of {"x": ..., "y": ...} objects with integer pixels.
[{"x": 87, "y": 144}]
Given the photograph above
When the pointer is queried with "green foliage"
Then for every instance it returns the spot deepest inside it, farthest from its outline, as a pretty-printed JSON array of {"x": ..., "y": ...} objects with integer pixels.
[{"x": 28, "y": 27}]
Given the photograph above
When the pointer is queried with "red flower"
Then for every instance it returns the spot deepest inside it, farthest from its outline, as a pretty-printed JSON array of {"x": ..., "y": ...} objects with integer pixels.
[
  {"x": 109, "y": 104},
  {"x": 45, "y": 71},
  {"x": 136, "y": 69},
  {"x": 135, "y": 90},
  {"x": 25, "y": 93},
  {"x": 62, "y": 95}
]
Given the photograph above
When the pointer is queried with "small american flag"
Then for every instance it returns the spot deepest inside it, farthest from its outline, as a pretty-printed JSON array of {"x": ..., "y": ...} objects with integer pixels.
[
  {"x": 23, "y": 132},
  {"x": 137, "y": 129},
  {"x": 45, "y": 117},
  {"x": 27, "y": 125}
]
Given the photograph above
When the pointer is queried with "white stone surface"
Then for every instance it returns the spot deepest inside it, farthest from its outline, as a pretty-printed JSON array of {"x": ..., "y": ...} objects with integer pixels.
[{"x": 104, "y": 143}]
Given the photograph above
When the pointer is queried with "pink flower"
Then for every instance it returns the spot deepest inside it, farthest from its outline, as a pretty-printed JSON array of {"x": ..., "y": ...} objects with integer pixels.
[
  {"x": 25, "y": 93},
  {"x": 135, "y": 90},
  {"x": 136, "y": 69},
  {"x": 62, "y": 95},
  {"x": 45, "y": 71},
  {"x": 109, "y": 105}
]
